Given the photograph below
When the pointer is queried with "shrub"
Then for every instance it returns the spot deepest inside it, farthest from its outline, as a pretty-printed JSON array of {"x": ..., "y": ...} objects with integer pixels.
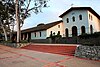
[
  {"x": 9, "y": 41},
  {"x": 86, "y": 36},
  {"x": 23, "y": 41}
]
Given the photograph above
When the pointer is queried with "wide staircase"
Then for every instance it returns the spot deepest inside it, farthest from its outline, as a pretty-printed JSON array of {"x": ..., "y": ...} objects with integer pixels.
[{"x": 56, "y": 49}]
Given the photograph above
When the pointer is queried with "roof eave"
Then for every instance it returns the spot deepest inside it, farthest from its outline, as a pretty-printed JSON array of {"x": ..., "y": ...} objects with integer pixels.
[
  {"x": 35, "y": 30},
  {"x": 86, "y": 8}
]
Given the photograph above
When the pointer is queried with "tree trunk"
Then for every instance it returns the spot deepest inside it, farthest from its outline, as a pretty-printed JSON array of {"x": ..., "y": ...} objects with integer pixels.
[
  {"x": 10, "y": 33},
  {"x": 5, "y": 33},
  {"x": 17, "y": 20}
]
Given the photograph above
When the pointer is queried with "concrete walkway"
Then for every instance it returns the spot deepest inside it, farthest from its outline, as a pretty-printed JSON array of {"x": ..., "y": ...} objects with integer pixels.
[{"x": 16, "y": 57}]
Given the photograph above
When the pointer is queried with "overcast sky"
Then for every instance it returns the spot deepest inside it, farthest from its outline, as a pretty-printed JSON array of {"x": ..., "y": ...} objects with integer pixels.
[{"x": 57, "y": 7}]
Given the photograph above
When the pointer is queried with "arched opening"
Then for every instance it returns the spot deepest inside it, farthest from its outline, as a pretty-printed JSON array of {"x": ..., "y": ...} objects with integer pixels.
[
  {"x": 83, "y": 29},
  {"x": 91, "y": 29},
  {"x": 74, "y": 31},
  {"x": 66, "y": 32}
]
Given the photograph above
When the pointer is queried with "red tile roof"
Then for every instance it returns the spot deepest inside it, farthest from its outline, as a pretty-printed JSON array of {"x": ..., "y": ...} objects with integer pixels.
[
  {"x": 80, "y": 8},
  {"x": 41, "y": 27}
]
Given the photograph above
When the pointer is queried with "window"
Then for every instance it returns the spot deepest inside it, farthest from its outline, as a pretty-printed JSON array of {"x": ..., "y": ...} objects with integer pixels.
[
  {"x": 73, "y": 18},
  {"x": 80, "y": 17},
  {"x": 66, "y": 32},
  {"x": 35, "y": 34},
  {"x": 58, "y": 26},
  {"x": 40, "y": 34},
  {"x": 67, "y": 20},
  {"x": 89, "y": 16},
  {"x": 91, "y": 29}
]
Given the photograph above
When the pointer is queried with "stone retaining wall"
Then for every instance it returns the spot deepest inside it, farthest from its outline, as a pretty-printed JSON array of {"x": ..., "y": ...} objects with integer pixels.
[
  {"x": 15, "y": 45},
  {"x": 90, "y": 52}
]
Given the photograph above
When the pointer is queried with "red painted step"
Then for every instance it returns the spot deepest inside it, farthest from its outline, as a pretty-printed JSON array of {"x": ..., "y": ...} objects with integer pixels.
[{"x": 63, "y": 50}]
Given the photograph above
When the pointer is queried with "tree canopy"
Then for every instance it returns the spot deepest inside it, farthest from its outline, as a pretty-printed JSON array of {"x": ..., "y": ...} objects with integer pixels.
[{"x": 8, "y": 11}]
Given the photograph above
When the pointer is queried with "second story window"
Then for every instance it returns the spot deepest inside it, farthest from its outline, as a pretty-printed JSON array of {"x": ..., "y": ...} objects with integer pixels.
[
  {"x": 58, "y": 26},
  {"x": 90, "y": 17},
  {"x": 67, "y": 20},
  {"x": 80, "y": 17},
  {"x": 73, "y": 18}
]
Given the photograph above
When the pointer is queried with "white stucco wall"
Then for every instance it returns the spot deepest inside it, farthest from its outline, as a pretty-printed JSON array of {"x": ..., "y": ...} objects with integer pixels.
[
  {"x": 46, "y": 33},
  {"x": 56, "y": 29},
  {"x": 78, "y": 23},
  {"x": 95, "y": 22},
  {"x": 43, "y": 35}
]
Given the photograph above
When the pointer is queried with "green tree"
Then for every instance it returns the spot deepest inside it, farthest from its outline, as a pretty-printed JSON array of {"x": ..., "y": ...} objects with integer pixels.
[
  {"x": 23, "y": 11},
  {"x": 7, "y": 12}
]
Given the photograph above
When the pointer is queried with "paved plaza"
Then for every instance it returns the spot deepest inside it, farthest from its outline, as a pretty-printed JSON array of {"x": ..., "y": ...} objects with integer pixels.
[{"x": 18, "y": 57}]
